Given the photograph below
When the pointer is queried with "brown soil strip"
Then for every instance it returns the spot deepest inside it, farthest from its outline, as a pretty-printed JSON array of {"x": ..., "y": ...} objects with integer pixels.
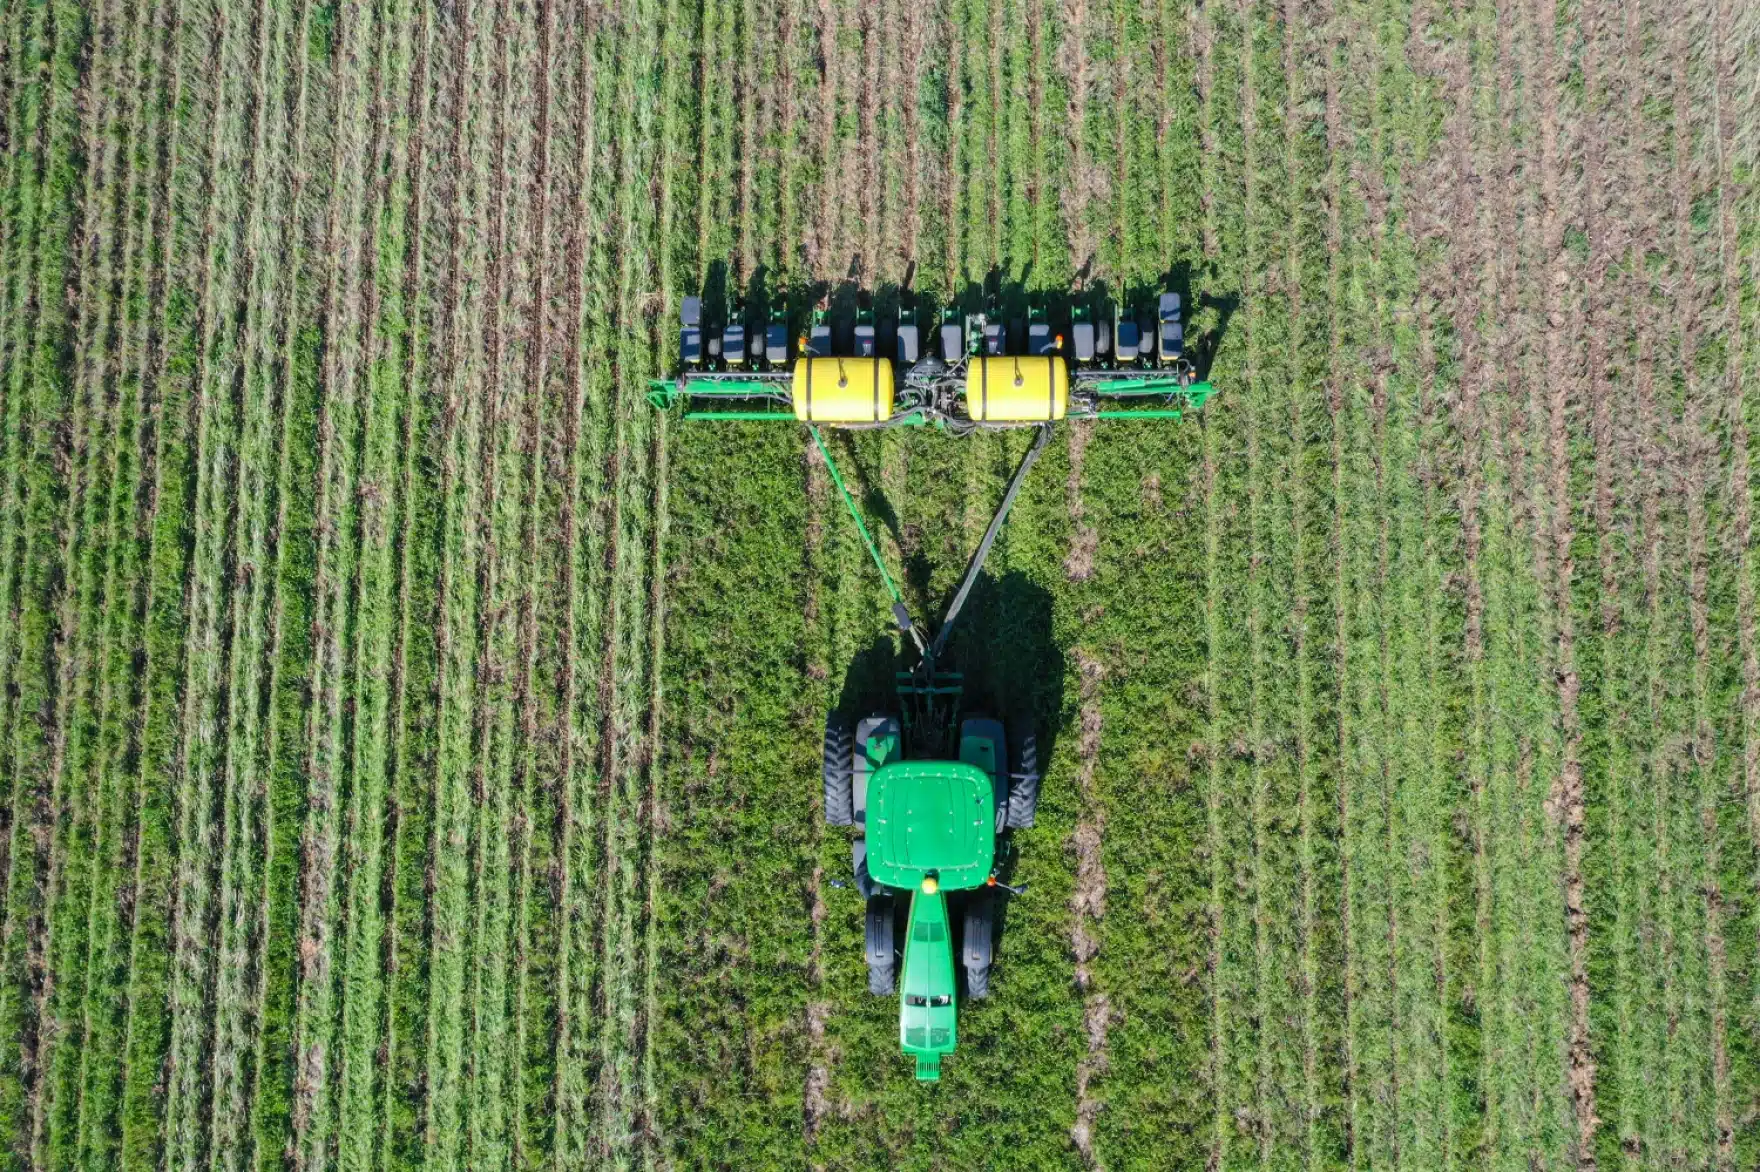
[
  {"x": 1203, "y": 41},
  {"x": 1735, "y": 391},
  {"x": 815, "y": 1103},
  {"x": 412, "y": 375},
  {"x": 340, "y": 315},
  {"x": 572, "y": 814},
  {"x": 1698, "y": 449},
  {"x": 957, "y": 163},
  {"x": 1088, "y": 905},
  {"x": 1336, "y": 147},
  {"x": 1084, "y": 543},
  {"x": 787, "y": 152},
  {"x": 828, "y": 224},
  {"x": 90, "y": 274},
  {"x": 1079, "y": 190},
  {"x": 1308, "y": 978},
  {"x": 285, "y": 297},
  {"x": 1562, "y": 377},
  {"x": 751, "y": 116},
  {"x": 867, "y": 161},
  {"x": 532, "y": 442},
  {"x": 915, "y": 49},
  {"x": 815, "y": 1094},
  {"x": 996, "y": 130}
]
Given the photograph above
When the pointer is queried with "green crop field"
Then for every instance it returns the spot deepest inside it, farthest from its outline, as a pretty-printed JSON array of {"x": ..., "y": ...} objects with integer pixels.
[{"x": 409, "y": 739}]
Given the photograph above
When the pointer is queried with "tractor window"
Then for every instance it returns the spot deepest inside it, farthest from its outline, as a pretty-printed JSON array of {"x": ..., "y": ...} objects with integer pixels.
[
  {"x": 943, "y": 999},
  {"x": 917, "y": 999}
]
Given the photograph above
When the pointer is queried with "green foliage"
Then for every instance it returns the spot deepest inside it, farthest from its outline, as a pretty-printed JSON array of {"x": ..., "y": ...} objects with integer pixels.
[{"x": 410, "y": 742}]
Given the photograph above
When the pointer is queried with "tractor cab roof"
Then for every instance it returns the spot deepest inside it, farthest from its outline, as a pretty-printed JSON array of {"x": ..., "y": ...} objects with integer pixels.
[{"x": 931, "y": 819}]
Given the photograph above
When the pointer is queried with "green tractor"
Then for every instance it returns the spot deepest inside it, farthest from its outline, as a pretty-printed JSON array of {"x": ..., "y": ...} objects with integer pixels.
[
  {"x": 931, "y": 830},
  {"x": 933, "y": 791}
]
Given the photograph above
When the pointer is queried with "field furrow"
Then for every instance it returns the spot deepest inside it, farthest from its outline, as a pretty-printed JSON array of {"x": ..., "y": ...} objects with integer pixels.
[
  {"x": 1266, "y": 869},
  {"x": 1613, "y": 924},
  {"x": 1205, "y": 36},
  {"x": 488, "y": 1042},
  {"x": 1372, "y": 837},
  {"x": 363, "y": 1035},
  {"x": 82, "y": 645},
  {"x": 626, "y": 682},
  {"x": 583, "y": 587},
  {"x": 322, "y": 940},
  {"x": 292, "y": 360},
  {"x": 211, "y": 358},
  {"x": 49, "y": 408},
  {"x": 178, "y": 206},
  {"x": 1340, "y": 415},
  {"x": 1743, "y": 734},
  {"x": 463, "y": 166},
  {"x": 253, "y": 604},
  {"x": 88, "y": 1114},
  {"x": 1420, "y": 700},
  {"x": 530, "y": 1060},
  {"x": 1305, "y": 376}
]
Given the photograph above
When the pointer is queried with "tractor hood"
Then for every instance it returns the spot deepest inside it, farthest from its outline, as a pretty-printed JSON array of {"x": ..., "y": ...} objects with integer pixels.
[
  {"x": 926, "y": 1014},
  {"x": 931, "y": 818}
]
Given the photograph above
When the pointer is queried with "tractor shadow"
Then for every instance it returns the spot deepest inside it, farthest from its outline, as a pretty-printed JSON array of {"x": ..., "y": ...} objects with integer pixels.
[{"x": 1006, "y": 650}]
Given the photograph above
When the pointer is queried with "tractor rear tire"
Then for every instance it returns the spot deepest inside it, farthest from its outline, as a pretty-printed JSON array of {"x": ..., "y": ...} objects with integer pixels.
[
  {"x": 881, "y": 947},
  {"x": 840, "y": 794},
  {"x": 979, "y": 945},
  {"x": 1023, "y": 782}
]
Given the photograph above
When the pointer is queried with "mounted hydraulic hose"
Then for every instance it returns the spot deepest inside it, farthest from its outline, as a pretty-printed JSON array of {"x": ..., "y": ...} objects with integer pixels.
[{"x": 901, "y": 612}]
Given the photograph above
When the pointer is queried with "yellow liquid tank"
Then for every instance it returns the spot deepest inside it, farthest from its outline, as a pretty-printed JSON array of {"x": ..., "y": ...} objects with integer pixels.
[
  {"x": 842, "y": 390},
  {"x": 1017, "y": 389}
]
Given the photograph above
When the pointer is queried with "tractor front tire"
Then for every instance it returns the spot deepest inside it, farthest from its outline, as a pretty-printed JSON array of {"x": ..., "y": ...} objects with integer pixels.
[
  {"x": 881, "y": 947},
  {"x": 979, "y": 945},
  {"x": 840, "y": 794},
  {"x": 1023, "y": 781}
]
